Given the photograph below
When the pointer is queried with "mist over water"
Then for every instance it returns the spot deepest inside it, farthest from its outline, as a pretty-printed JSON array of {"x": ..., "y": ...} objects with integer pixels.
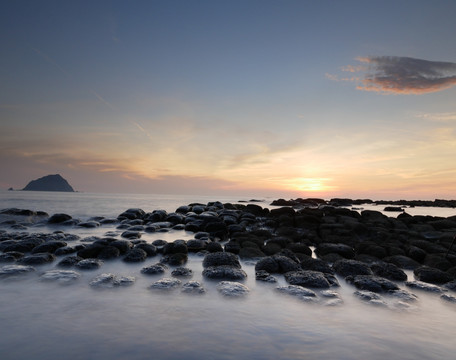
[{"x": 50, "y": 320}]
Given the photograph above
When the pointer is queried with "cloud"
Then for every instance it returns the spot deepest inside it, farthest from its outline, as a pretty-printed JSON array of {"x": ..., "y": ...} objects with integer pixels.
[
  {"x": 401, "y": 75},
  {"x": 439, "y": 117}
]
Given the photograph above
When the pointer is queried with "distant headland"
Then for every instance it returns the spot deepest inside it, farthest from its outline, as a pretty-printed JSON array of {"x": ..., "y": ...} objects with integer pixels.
[{"x": 49, "y": 183}]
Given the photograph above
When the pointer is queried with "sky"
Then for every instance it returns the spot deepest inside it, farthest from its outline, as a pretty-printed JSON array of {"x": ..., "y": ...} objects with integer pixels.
[{"x": 263, "y": 98}]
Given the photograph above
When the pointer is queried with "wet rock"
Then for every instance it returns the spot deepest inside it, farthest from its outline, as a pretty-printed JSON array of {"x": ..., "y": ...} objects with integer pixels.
[
  {"x": 402, "y": 262},
  {"x": 307, "y": 278},
  {"x": 388, "y": 271},
  {"x": 343, "y": 250},
  {"x": 450, "y": 285},
  {"x": 90, "y": 251},
  {"x": 372, "y": 283},
  {"x": 316, "y": 265},
  {"x": 176, "y": 247},
  {"x": 449, "y": 298},
  {"x": 193, "y": 287},
  {"x": 11, "y": 270},
  {"x": 417, "y": 254},
  {"x": 370, "y": 297},
  {"x": 108, "y": 280},
  {"x": 431, "y": 275},
  {"x": 123, "y": 245},
  {"x": 196, "y": 245},
  {"x": 151, "y": 250},
  {"x": 165, "y": 284},
  {"x": 175, "y": 259},
  {"x": 419, "y": 285},
  {"x": 66, "y": 250},
  {"x": 131, "y": 234},
  {"x": 59, "y": 218},
  {"x": 298, "y": 291},
  {"x": 62, "y": 276},
  {"x": 37, "y": 259},
  {"x": 262, "y": 275},
  {"x": 11, "y": 257},
  {"x": 182, "y": 272},
  {"x": 351, "y": 268},
  {"x": 89, "y": 264},
  {"x": 154, "y": 269},
  {"x": 108, "y": 253},
  {"x": 69, "y": 261},
  {"x": 403, "y": 295},
  {"x": 159, "y": 245},
  {"x": 221, "y": 258},
  {"x": 277, "y": 264},
  {"x": 224, "y": 272},
  {"x": 49, "y": 247},
  {"x": 300, "y": 248},
  {"x": 250, "y": 253},
  {"x": 89, "y": 224},
  {"x": 232, "y": 289},
  {"x": 135, "y": 255},
  {"x": 231, "y": 246},
  {"x": 131, "y": 214}
]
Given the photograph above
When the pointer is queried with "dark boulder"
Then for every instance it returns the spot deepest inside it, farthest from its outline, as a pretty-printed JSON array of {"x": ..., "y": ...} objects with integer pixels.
[
  {"x": 316, "y": 265},
  {"x": 262, "y": 275},
  {"x": 351, "y": 268},
  {"x": 135, "y": 255},
  {"x": 176, "y": 247},
  {"x": 69, "y": 261},
  {"x": 59, "y": 218},
  {"x": 307, "y": 278},
  {"x": 221, "y": 258},
  {"x": 250, "y": 253},
  {"x": 90, "y": 251},
  {"x": 123, "y": 245},
  {"x": 132, "y": 214},
  {"x": 150, "y": 249},
  {"x": 89, "y": 264},
  {"x": 37, "y": 259},
  {"x": 182, "y": 272},
  {"x": 343, "y": 250},
  {"x": 277, "y": 264},
  {"x": 432, "y": 275},
  {"x": 402, "y": 262},
  {"x": 372, "y": 283},
  {"x": 175, "y": 259},
  {"x": 49, "y": 246},
  {"x": 154, "y": 269},
  {"x": 224, "y": 272},
  {"x": 388, "y": 271}
]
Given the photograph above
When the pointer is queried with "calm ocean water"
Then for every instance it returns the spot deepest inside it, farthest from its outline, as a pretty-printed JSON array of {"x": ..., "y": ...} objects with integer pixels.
[{"x": 48, "y": 320}]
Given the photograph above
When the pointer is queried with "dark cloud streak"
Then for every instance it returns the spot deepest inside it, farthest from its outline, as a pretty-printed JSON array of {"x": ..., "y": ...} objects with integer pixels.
[{"x": 403, "y": 75}]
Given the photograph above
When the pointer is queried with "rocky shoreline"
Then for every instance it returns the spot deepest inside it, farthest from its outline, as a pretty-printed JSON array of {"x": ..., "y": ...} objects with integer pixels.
[{"x": 310, "y": 243}]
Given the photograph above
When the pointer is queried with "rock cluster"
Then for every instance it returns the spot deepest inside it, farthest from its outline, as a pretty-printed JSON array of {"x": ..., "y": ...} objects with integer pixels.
[{"x": 367, "y": 249}]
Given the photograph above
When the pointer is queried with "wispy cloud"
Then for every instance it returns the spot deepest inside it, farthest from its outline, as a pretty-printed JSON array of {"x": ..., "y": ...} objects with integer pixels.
[
  {"x": 400, "y": 75},
  {"x": 439, "y": 117}
]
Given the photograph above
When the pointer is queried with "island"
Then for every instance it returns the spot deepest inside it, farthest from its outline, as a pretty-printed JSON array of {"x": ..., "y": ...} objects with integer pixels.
[{"x": 49, "y": 183}]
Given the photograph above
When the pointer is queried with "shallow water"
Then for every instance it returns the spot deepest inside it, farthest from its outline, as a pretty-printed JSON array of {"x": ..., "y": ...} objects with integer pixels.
[{"x": 49, "y": 320}]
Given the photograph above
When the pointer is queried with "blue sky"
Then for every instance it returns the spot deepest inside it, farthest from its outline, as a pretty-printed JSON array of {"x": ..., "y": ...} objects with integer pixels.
[{"x": 260, "y": 97}]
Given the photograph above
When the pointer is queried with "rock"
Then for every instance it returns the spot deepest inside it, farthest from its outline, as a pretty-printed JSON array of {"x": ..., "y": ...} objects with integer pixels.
[
  {"x": 196, "y": 245},
  {"x": 343, "y": 250},
  {"x": 165, "y": 284},
  {"x": 450, "y": 285},
  {"x": 11, "y": 270},
  {"x": 402, "y": 262},
  {"x": 90, "y": 251},
  {"x": 232, "y": 289},
  {"x": 403, "y": 295},
  {"x": 307, "y": 278},
  {"x": 182, "y": 271},
  {"x": 49, "y": 183},
  {"x": 135, "y": 255},
  {"x": 224, "y": 272},
  {"x": 11, "y": 256},
  {"x": 372, "y": 283},
  {"x": 123, "y": 245},
  {"x": 449, "y": 298},
  {"x": 132, "y": 214},
  {"x": 176, "y": 247},
  {"x": 370, "y": 297},
  {"x": 131, "y": 234},
  {"x": 316, "y": 265},
  {"x": 69, "y": 261},
  {"x": 108, "y": 252},
  {"x": 175, "y": 259},
  {"x": 158, "y": 268},
  {"x": 221, "y": 258},
  {"x": 431, "y": 275},
  {"x": 262, "y": 275},
  {"x": 59, "y": 218},
  {"x": 388, "y": 271},
  {"x": 37, "y": 259},
  {"x": 108, "y": 280},
  {"x": 193, "y": 287},
  {"x": 66, "y": 250},
  {"x": 419, "y": 285},
  {"x": 276, "y": 264},
  {"x": 351, "y": 268},
  {"x": 296, "y": 290},
  {"x": 48, "y": 247},
  {"x": 250, "y": 253},
  {"x": 62, "y": 276},
  {"x": 89, "y": 264}
]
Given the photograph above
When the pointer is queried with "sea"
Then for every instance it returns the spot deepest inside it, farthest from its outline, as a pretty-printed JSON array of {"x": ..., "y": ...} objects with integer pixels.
[{"x": 73, "y": 320}]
